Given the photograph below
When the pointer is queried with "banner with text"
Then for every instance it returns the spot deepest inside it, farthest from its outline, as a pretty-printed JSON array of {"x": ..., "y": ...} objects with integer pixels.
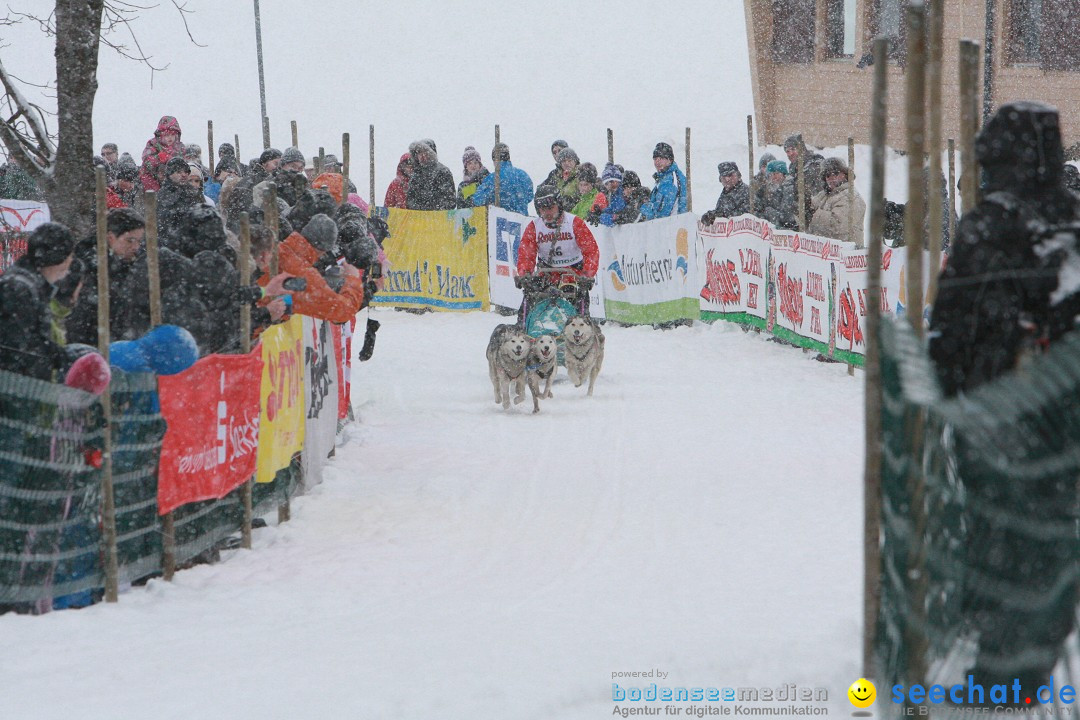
[
  {"x": 650, "y": 270},
  {"x": 281, "y": 397},
  {"x": 212, "y": 411},
  {"x": 18, "y": 218},
  {"x": 807, "y": 290},
  {"x": 504, "y": 238},
  {"x": 438, "y": 260},
  {"x": 320, "y": 398}
]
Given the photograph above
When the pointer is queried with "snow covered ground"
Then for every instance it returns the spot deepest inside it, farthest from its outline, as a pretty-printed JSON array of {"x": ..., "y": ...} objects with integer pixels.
[{"x": 700, "y": 515}]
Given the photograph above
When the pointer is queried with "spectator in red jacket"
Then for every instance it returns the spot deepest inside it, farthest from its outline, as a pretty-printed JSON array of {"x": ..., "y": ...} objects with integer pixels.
[
  {"x": 396, "y": 193},
  {"x": 159, "y": 149}
]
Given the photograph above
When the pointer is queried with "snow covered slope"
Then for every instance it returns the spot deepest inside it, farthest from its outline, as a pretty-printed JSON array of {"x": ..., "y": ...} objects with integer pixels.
[{"x": 700, "y": 515}]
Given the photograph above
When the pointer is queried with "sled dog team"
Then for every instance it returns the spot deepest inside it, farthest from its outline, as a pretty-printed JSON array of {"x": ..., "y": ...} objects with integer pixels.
[{"x": 515, "y": 358}]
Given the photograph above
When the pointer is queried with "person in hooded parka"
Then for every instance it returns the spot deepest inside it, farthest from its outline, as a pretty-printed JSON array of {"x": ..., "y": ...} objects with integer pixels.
[
  {"x": 432, "y": 184},
  {"x": 174, "y": 199},
  {"x": 995, "y": 305},
  {"x": 215, "y": 283}
]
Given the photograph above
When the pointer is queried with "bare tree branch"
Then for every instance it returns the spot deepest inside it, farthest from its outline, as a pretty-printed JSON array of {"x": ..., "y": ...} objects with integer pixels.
[{"x": 25, "y": 132}]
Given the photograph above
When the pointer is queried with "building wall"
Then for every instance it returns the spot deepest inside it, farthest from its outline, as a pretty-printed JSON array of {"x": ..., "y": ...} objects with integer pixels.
[{"x": 830, "y": 100}]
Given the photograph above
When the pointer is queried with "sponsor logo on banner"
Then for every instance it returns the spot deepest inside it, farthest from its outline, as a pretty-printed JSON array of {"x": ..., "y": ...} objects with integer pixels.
[
  {"x": 682, "y": 253},
  {"x": 212, "y": 412},
  {"x": 849, "y": 319},
  {"x": 439, "y": 260},
  {"x": 721, "y": 282},
  {"x": 282, "y": 397},
  {"x": 791, "y": 299}
]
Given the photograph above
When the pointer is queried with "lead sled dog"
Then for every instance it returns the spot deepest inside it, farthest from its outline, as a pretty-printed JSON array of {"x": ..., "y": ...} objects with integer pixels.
[
  {"x": 543, "y": 364},
  {"x": 508, "y": 355},
  {"x": 584, "y": 350}
]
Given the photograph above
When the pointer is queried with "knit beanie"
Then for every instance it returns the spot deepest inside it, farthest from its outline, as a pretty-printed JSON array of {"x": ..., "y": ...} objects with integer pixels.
[
  {"x": 292, "y": 155},
  {"x": 611, "y": 172},
  {"x": 50, "y": 244},
  {"x": 567, "y": 153},
  {"x": 175, "y": 165},
  {"x": 470, "y": 154},
  {"x": 322, "y": 233}
]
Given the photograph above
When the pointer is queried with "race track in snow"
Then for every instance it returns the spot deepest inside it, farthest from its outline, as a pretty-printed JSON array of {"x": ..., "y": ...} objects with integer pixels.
[{"x": 701, "y": 515}]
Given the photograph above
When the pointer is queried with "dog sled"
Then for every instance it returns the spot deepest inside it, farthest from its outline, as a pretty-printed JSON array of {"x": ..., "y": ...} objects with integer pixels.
[{"x": 551, "y": 301}]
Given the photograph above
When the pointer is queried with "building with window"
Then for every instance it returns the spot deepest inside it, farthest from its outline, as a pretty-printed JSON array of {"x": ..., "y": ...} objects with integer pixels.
[{"x": 810, "y": 71}]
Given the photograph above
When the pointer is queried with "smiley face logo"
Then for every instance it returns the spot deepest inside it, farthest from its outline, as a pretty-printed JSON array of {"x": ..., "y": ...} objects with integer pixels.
[{"x": 862, "y": 693}]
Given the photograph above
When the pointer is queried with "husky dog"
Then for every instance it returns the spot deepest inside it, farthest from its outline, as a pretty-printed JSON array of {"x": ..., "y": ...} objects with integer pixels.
[
  {"x": 508, "y": 354},
  {"x": 543, "y": 362},
  {"x": 584, "y": 350}
]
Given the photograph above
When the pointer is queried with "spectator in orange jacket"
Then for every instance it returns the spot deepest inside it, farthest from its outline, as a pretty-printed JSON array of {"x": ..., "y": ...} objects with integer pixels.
[
  {"x": 159, "y": 149},
  {"x": 399, "y": 188},
  {"x": 298, "y": 254}
]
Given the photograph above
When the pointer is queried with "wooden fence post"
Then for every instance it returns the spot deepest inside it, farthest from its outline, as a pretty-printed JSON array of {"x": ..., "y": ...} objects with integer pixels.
[
  {"x": 915, "y": 639},
  {"x": 236, "y": 144},
  {"x": 108, "y": 500},
  {"x": 371, "y": 159},
  {"x": 344, "y": 168},
  {"x": 210, "y": 142},
  {"x": 800, "y": 188},
  {"x": 689, "y": 183},
  {"x": 270, "y": 213},
  {"x": 750, "y": 167},
  {"x": 952, "y": 190},
  {"x": 245, "y": 347},
  {"x": 873, "y": 453},
  {"x": 168, "y": 528},
  {"x": 915, "y": 94},
  {"x": 969, "y": 108},
  {"x": 610, "y": 146},
  {"x": 498, "y": 173},
  {"x": 934, "y": 122},
  {"x": 851, "y": 207},
  {"x": 295, "y": 134}
]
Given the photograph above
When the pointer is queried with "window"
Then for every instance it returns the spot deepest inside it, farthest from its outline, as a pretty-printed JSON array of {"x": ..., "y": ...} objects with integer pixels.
[
  {"x": 1024, "y": 41},
  {"x": 887, "y": 20},
  {"x": 1053, "y": 31},
  {"x": 793, "y": 31},
  {"x": 840, "y": 26}
]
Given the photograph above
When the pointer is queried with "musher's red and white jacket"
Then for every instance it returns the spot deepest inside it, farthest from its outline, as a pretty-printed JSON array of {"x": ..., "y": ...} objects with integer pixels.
[{"x": 571, "y": 246}]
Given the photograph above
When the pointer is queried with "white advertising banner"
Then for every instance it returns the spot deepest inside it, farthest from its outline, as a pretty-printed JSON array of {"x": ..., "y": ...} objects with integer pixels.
[
  {"x": 504, "y": 238},
  {"x": 807, "y": 290},
  {"x": 650, "y": 270},
  {"x": 320, "y": 398}
]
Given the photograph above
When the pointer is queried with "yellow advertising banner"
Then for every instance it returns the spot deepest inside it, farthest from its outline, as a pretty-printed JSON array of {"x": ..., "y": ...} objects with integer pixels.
[
  {"x": 438, "y": 260},
  {"x": 281, "y": 424}
]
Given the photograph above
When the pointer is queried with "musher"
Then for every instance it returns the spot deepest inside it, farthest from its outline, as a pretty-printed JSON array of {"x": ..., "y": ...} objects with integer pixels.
[{"x": 557, "y": 250}]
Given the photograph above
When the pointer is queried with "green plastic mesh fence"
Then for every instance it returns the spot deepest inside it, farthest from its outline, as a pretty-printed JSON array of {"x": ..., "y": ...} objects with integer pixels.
[
  {"x": 979, "y": 532},
  {"x": 51, "y": 437},
  {"x": 49, "y": 490}
]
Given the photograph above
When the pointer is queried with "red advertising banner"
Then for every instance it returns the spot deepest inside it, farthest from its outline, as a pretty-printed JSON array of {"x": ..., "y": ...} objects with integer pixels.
[
  {"x": 212, "y": 410},
  {"x": 343, "y": 354}
]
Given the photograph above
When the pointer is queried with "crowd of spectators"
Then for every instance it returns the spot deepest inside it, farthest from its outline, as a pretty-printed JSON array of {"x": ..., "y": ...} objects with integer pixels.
[
  {"x": 330, "y": 253},
  {"x": 613, "y": 196},
  {"x": 827, "y": 201}
]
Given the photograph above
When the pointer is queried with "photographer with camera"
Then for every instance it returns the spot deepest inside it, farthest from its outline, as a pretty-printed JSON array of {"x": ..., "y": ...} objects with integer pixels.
[
  {"x": 557, "y": 249},
  {"x": 303, "y": 254}
]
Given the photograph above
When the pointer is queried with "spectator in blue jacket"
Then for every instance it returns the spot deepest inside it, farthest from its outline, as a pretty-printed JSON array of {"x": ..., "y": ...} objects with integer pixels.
[
  {"x": 515, "y": 186},
  {"x": 669, "y": 195},
  {"x": 611, "y": 182}
]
